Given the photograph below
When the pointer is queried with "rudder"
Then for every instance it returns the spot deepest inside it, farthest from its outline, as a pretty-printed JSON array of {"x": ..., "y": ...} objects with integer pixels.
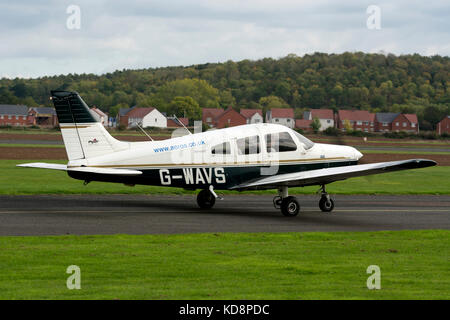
[{"x": 84, "y": 137}]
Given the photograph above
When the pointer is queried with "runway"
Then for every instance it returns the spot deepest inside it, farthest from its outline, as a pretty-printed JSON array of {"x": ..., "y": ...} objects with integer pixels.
[{"x": 141, "y": 214}]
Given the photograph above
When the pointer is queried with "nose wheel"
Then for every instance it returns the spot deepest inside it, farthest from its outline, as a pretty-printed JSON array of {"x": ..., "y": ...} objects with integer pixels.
[{"x": 326, "y": 204}]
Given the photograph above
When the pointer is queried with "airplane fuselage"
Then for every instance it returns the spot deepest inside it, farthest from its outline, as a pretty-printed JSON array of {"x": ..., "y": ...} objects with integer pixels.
[{"x": 223, "y": 158}]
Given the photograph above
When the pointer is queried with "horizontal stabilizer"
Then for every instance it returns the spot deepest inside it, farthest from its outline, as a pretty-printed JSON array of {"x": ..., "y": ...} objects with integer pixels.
[
  {"x": 109, "y": 171},
  {"x": 43, "y": 165}
]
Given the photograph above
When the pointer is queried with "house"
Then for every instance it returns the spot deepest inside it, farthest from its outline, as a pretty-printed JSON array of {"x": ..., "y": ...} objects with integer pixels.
[
  {"x": 443, "y": 126},
  {"x": 42, "y": 116},
  {"x": 122, "y": 118},
  {"x": 395, "y": 122},
  {"x": 146, "y": 117},
  {"x": 252, "y": 115},
  {"x": 406, "y": 122},
  {"x": 383, "y": 121},
  {"x": 361, "y": 120},
  {"x": 210, "y": 114},
  {"x": 100, "y": 116},
  {"x": 283, "y": 116},
  {"x": 325, "y": 116},
  {"x": 230, "y": 118},
  {"x": 13, "y": 115},
  {"x": 303, "y": 124}
]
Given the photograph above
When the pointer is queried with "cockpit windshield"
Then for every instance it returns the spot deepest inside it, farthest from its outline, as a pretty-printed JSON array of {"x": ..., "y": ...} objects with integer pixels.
[{"x": 308, "y": 144}]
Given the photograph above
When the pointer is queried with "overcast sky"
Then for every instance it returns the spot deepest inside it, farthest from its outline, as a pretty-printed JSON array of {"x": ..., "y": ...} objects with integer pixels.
[{"x": 35, "y": 40}]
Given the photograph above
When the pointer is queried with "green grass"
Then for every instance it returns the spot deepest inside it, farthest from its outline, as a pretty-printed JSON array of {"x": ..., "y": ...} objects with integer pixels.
[
  {"x": 414, "y": 265},
  {"x": 22, "y": 181}
]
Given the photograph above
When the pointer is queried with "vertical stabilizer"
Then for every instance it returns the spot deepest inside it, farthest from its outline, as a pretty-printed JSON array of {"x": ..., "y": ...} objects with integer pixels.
[{"x": 83, "y": 136}]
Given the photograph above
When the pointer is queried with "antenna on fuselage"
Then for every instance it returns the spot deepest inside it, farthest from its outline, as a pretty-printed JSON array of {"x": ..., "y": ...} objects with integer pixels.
[
  {"x": 176, "y": 118},
  {"x": 137, "y": 124}
]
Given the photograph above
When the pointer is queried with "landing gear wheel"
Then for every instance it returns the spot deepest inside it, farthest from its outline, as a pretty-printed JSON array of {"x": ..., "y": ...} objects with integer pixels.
[
  {"x": 290, "y": 207},
  {"x": 326, "y": 204},
  {"x": 205, "y": 199}
]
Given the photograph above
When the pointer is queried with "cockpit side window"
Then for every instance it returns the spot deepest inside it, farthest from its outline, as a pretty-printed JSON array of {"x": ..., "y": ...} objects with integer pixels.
[
  {"x": 222, "y": 148},
  {"x": 280, "y": 142},
  {"x": 308, "y": 144},
  {"x": 248, "y": 145}
]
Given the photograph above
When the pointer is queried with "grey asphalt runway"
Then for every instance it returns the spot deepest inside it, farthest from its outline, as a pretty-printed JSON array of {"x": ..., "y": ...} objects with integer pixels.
[{"x": 140, "y": 214}]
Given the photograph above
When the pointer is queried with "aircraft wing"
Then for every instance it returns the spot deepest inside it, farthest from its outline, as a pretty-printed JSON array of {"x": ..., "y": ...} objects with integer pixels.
[
  {"x": 328, "y": 175},
  {"x": 54, "y": 166}
]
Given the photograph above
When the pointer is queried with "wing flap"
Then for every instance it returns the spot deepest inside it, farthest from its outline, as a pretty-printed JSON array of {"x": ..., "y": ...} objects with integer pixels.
[
  {"x": 108, "y": 171},
  {"x": 328, "y": 175},
  {"x": 112, "y": 171}
]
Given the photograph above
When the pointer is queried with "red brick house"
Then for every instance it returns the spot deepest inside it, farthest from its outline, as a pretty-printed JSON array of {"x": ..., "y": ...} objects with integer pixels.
[
  {"x": 395, "y": 122},
  {"x": 219, "y": 118},
  {"x": 13, "y": 115},
  {"x": 42, "y": 116},
  {"x": 303, "y": 124},
  {"x": 209, "y": 115},
  {"x": 253, "y": 115},
  {"x": 122, "y": 118},
  {"x": 230, "y": 118},
  {"x": 361, "y": 120},
  {"x": 406, "y": 122},
  {"x": 443, "y": 126}
]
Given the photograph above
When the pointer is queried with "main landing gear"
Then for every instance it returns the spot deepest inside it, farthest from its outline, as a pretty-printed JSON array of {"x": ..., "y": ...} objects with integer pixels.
[
  {"x": 290, "y": 207},
  {"x": 207, "y": 198}
]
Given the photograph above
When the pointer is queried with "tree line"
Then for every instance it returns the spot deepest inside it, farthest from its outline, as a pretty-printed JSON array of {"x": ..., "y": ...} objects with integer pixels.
[{"x": 375, "y": 82}]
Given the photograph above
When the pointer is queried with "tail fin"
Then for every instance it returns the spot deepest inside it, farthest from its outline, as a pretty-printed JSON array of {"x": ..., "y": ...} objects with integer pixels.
[{"x": 83, "y": 136}]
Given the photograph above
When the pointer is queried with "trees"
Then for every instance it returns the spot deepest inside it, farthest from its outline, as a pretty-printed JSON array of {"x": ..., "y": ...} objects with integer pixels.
[
  {"x": 200, "y": 91},
  {"x": 375, "y": 82},
  {"x": 315, "y": 124},
  {"x": 272, "y": 102},
  {"x": 185, "y": 107}
]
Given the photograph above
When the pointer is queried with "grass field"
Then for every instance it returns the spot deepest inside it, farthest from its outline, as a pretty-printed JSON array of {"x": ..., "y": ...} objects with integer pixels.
[
  {"x": 414, "y": 265},
  {"x": 15, "y": 181}
]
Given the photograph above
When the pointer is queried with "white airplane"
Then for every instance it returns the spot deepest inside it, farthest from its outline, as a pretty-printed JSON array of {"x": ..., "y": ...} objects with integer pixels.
[{"x": 247, "y": 157}]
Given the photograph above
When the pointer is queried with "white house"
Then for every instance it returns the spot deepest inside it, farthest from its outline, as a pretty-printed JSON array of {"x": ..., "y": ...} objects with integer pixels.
[
  {"x": 325, "y": 116},
  {"x": 252, "y": 115},
  {"x": 146, "y": 117},
  {"x": 283, "y": 116}
]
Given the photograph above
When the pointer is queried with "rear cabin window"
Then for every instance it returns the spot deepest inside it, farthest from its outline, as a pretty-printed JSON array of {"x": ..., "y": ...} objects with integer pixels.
[
  {"x": 223, "y": 148},
  {"x": 248, "y": 145},
  {"x": 280, "y": 142}
]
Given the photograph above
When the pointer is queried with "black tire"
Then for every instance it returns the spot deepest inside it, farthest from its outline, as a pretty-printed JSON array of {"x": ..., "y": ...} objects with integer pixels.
[
  {"x": 205, "y": 199},
  {"x": 290, "y": 207},
  {"x": 326, "y": 205}
]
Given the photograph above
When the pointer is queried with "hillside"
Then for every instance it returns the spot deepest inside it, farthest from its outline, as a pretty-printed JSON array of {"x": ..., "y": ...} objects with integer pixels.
[{"x": 376, "y": 82}]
